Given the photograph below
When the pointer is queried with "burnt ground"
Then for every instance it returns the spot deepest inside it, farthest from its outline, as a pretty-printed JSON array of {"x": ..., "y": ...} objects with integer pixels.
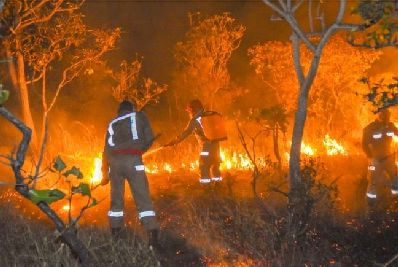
[{"x": 218, "y": 225}]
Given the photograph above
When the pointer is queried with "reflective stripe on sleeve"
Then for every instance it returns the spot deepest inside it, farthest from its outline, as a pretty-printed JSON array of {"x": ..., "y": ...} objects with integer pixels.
[
  {"x": 140, "y": 168},
  {"x": 217, "y": 179},
  {"x": 371, "y": 168},
  {"x": 115, "y": 213},
  {"x": 371, "y": 195},
  {"x": 134, "y": 126},
  {"x": 199, "y": 119},
  {"x": 204, "y": 153},
  {"x": 204, "y": 180},
  {"x": 148, "y": 213},
  {"x": 377, "y": 136},
  {"x": 390, "y": 133}
]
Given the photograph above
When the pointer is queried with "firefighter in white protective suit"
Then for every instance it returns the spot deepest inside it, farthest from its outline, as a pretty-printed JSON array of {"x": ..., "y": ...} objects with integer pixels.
[
  {"x": 128, "y": 136},
  {"x": 209, "y": 138},
  {"x": 376, "y": 143}
]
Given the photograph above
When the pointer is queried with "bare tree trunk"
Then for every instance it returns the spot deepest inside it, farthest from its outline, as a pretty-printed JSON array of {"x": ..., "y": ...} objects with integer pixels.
[
  {"x": 299, "y": 120},
  {"x": 24, "y": 93},
  {"x": 275, "y": 137},
  {"x": 13, "y": 72}
]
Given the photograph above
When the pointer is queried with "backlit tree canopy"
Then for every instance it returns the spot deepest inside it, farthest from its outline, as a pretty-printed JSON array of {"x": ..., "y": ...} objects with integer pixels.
[
  {"x": 333, "y": 100},
  {"x": 204, "y": 54}
]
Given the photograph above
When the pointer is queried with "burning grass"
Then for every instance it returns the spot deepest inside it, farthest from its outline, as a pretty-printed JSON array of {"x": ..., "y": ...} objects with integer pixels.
[{"x": 212, "y": 225}]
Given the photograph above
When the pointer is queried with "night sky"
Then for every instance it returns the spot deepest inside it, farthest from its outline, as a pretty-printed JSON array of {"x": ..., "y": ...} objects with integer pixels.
[{"x": 152, "y": 28}]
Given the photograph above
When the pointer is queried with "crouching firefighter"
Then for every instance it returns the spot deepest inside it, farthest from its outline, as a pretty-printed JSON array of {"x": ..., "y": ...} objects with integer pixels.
[
  {"x": 376, "y": 142},
  {"x": 128, "y": 136},
  {"x": 209, "y": 129}
]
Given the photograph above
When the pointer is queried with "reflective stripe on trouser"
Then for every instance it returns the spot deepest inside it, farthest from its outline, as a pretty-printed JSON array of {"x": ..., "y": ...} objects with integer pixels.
[
  {"x": 131, "y": 168},
  {"x": 209, "y": 162},
  {"x": 376, "y": 170}
]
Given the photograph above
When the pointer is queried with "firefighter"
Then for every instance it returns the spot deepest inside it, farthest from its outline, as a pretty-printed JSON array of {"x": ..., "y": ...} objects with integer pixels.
[
  {"x": 209, "y": 160},
  {"x": 128, "y": 136},
  {"x": 376, "y": 142}
]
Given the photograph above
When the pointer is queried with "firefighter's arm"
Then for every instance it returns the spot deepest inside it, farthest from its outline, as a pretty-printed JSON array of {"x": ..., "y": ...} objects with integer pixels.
[
  {"x": 395, "y": 129},
  {"x": 366, "y": 141},
  {"x": 105, "y": 165},
  {"x": 187, "y": 131},
  {"x": 148, "y": 133}
]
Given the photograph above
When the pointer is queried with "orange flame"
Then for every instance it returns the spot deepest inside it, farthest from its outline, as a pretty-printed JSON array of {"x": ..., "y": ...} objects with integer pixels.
[
  {"x": 332, "y": 147},
  {"x": 308, "y": 150},
  {"x": 97, "y": 173}
]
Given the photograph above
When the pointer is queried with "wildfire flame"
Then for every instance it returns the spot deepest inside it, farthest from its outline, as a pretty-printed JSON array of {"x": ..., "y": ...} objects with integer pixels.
[
  {"x": 332, "y": 147},
  {"x": 308, "y": 150},
  {"x": 66, "y": 208},
  {"x": 97, "y": 173},
  {"x": 167, "y": 167}
]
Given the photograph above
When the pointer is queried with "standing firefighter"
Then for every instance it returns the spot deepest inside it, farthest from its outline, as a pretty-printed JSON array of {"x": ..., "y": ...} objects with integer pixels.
[
  {"x": 209, "y": 129},
  {"x": 376, "y": 143},
  {"x": 129, "y": 135}
]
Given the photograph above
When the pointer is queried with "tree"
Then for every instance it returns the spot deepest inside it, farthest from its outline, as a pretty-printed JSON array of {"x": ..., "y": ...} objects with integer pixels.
[
  {"x": 379, "y": 29},
  {"x": 287, "y": 10},
  {"x": 379, "y": 26},
  {"x": 274, "y": 120},
  {"x": 21, "y": 17},
  {"x": 43, "y": 198},
  {"x": 131, "y": 86},
  {"x": 203, "y": 57},
  {"x": 332, "y": 101},
  {"x": 49, "y": 37}
]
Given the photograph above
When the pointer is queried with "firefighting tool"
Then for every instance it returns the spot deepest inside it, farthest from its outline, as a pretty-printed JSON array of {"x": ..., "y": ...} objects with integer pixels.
[{"x": 153, "y": 151}]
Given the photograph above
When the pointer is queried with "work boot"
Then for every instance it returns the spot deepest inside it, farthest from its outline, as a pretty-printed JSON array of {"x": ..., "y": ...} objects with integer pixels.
[
  {"x": 153, "y": 239},
  {"x": 116, "y": 233}
]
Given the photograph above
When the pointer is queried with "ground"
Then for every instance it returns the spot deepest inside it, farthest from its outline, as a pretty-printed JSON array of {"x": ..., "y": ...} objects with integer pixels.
[{"x": 216, "y": 225}]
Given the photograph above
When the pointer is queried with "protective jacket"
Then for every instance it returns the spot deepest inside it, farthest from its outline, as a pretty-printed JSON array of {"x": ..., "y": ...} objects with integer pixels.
[
  {"x": 128, "y": 136},
  {"x": 376, "y": 143},
  {"x": 209, "y": 160},
  {"x": 377, "y": 139}
]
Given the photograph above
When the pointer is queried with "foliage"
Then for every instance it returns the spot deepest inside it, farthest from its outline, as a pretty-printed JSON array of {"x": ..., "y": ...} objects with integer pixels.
[
  {"x": 380, "y": 24},
  {"x": 272, "y": 116},
  {"x": 332, "y": 100},
  {"x": 131, "y": 86},
  {"x": 72, "y": 178},
  {"x": 4, "y": 94},
  {"x": 49, "y": 37},
  {"x": 47, "y": 195},
  {"x": 204, "y": 54},
  {"x": 381, "y": 94}
]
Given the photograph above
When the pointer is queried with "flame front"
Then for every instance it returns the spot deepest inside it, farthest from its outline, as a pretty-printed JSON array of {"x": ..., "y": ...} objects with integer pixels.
[
  {"x": 97, "y": 173},
  {"x": 308, "y": 150},
  {"x": 332, "y": 147}
]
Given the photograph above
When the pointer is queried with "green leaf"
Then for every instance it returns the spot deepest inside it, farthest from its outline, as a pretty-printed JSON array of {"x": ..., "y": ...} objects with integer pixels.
[
  {"x": 48, "y": 196},
  {"x": 83, "y": 189},
  {"x": 4, "y": 94},
  {"x": 74, "y": 171},
  {"x": 93, "y": 203},
  {"x": 59, "y": 164}
]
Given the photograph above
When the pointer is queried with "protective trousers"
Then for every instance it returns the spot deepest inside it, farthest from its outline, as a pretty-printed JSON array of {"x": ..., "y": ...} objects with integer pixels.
[
  {"x": 376, "y": 169},
  {"x": 130, "y": 167},
  {"x": 209, "y": 163}
]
